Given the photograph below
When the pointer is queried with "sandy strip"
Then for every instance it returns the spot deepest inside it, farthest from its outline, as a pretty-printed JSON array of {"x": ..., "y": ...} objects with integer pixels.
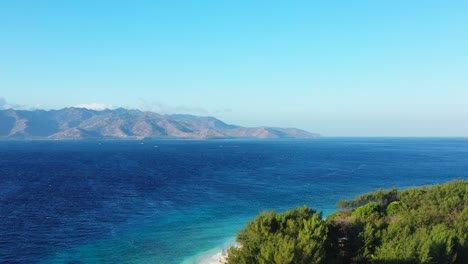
[
  {"x": 220, "y": 257},
  {"x": 214, "y": 256}
]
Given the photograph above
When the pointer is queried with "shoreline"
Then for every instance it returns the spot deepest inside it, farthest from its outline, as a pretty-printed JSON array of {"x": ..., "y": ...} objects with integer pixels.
[{"x": 215, "y": 255}]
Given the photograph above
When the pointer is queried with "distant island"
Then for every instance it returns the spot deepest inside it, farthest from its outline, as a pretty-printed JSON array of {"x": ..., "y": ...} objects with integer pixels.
[
  {"x": 418, "y": 225},
  {"x": 81, "y": 123}
]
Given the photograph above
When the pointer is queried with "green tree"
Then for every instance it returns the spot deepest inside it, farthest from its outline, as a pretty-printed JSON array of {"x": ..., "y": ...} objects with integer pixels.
[
  {"x": 343, "y": 205},
  {"x": 296, "y": 236},
  {"x": 418, "y": 225},
  {"x": 366, "y": 210}
]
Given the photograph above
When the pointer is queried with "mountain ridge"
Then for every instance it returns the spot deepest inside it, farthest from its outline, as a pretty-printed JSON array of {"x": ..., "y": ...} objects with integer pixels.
[{"x": 74, "y": 123}]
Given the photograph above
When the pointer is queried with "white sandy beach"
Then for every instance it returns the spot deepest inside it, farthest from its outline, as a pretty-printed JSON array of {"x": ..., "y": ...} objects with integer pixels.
[
  {"x": 220, "y": 257},
  {"x": 214, "y": 256}
]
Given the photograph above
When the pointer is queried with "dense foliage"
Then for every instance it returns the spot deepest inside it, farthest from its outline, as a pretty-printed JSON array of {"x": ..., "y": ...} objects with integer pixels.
[{"x": 418, "y": 225}]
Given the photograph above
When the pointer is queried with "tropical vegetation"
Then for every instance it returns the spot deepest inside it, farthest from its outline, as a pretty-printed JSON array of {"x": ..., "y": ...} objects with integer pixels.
[{"x": 417, "y": 225}]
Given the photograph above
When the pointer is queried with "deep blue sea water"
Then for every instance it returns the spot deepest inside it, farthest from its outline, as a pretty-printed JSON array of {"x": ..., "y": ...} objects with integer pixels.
[{"x": 165, "y": 201}]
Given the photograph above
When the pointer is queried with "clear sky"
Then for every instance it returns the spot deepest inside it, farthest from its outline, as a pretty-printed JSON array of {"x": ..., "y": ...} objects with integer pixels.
[{"x": 340, "y": 68}]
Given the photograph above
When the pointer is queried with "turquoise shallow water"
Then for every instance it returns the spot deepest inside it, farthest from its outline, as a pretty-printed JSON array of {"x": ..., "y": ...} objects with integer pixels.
[{"x": 167, "y": 201}]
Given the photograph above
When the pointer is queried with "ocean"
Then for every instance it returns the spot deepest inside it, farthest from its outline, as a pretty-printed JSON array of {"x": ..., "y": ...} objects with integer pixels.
[{"x": 181, "y": 201}]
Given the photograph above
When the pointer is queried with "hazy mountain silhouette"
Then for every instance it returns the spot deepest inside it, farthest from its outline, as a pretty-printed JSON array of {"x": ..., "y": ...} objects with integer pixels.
[{"x": 81, "y": 123}]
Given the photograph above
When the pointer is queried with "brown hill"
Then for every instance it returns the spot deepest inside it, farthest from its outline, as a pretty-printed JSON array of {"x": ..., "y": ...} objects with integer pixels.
[{"x": 80, "y": 123}]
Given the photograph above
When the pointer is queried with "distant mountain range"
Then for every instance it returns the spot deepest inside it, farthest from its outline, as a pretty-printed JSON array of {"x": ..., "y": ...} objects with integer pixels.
[{"x": 81, "y": 123}]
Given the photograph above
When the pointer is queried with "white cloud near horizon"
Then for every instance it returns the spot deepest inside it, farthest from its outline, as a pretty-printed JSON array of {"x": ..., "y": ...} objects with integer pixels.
[
  {"x": 143, "y": 105},
  {"x": 95, "y": 106},
  {"x": 4, "y": 104},
  {"x": 161, "y": 108}
]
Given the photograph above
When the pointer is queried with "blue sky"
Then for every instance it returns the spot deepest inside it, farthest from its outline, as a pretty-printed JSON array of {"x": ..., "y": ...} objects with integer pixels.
[{"x": 340, "y": 68}]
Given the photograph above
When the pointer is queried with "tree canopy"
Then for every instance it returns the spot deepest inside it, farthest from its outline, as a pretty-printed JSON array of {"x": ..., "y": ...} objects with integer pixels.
[{"x": 417, "y": 225}]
